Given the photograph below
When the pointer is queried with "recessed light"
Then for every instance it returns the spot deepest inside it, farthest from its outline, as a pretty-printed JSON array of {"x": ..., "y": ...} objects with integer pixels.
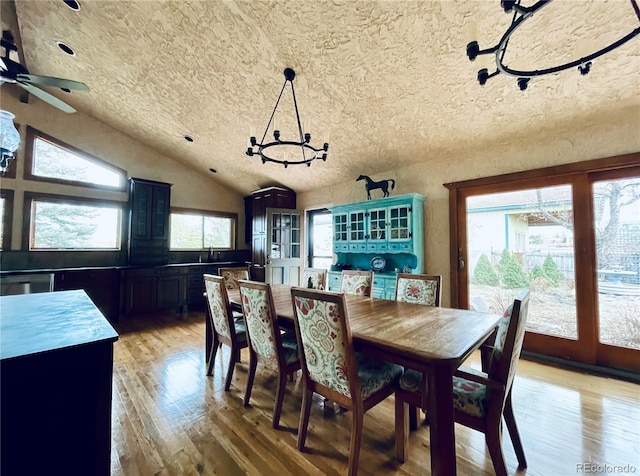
[
  {"x": 188, "y": 138},
  {"x": 72, "y": 4},
  {"x": 66, "y": 90},
  {"x": 66, "y": 48},
  {"x": 214, "y": 171}
]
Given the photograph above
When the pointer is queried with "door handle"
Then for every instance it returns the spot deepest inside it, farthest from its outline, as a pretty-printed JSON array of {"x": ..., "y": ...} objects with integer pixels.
[{"x": 460, "y": 260}]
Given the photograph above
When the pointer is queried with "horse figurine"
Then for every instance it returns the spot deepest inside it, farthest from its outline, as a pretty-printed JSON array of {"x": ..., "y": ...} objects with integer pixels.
[{"x": 382, "y": 185}]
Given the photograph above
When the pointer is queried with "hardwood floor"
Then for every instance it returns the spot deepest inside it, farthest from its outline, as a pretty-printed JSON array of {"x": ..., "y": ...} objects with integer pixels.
[{"x": 168, "y": 418}]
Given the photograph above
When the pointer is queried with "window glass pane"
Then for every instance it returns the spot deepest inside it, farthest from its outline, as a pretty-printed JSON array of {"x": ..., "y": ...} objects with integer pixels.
[
  {"x": 524, "y": 239},
  {"x": 190, "y": 231},
  {"x": 217, "y": 232},
  {"x": 52, "y": 161},
  {"x": 74, "y": 226},
  {"x": 186, "y": 231},
  {"x": 617, "y": 229}
]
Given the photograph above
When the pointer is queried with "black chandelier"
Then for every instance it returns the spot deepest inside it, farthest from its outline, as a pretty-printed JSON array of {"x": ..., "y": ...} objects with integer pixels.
[
  {"x": 308, "y": 153},
  {"x": 521, "y": 14}
]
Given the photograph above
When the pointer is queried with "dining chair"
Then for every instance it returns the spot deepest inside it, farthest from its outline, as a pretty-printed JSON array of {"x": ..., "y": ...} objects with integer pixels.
[
  {"x": 419, "y": 289},
  {"x": 314, "y": 278},
  {"x": 226, "y": 330},
  {"x": 480, "y": 398},
  {"x": 232, "y": 275},
  {"x": 266, "y": 340},
  {"x": 357, "y": 283},
  {"x": 332, "y": 368}
]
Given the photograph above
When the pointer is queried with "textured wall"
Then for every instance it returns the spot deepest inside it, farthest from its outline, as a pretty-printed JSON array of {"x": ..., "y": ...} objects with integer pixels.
[
  {"x": 522, "y": 153},
  {"x": 190, "y": 188}
]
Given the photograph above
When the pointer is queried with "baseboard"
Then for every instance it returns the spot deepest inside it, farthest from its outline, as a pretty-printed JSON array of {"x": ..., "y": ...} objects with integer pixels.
[{"x": 621, "y": 374}]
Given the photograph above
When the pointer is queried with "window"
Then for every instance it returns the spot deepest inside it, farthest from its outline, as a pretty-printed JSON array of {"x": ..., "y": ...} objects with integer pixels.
[
  {"x": 59, "y": 222},
  {"x": 320, "y": 239},
  {"x": 6, "y": 211},
  {"x": 198, "y": 230},
  {"x": 51, "y": 160}
]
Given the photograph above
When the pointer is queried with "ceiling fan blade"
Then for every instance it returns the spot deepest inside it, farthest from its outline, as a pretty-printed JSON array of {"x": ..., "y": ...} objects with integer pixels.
[
  {"x": 53, "y": 82},
  {"x": 46, "y": 97},
  {"x": 3, "y": 66}
]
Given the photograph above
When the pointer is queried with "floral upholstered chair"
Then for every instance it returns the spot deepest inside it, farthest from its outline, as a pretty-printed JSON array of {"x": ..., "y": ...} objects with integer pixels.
[
  {"x": 233, "y": 275},
  {"x": 314, "y": 278},
  {"x": 226, "y": 330},
  {"x": 357, "y": 283},
  {"x": 332, "y": 368},
  {"x": 266, "y": 340},
  {"x": 480, "y": 399},
  {"x": 419, "y": 289}
]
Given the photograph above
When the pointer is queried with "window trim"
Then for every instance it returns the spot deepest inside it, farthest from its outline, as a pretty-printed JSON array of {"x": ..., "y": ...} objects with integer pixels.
[
  {"x": 7, "y": 219},
  {"x": 33, "y": 134},
  {"x": 27, "y": 225},
  {"x": 209, "y": 213}
]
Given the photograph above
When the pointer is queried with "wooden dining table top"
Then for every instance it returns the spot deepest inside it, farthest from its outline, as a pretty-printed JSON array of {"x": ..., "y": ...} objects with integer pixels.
[{"x": 419, "y": 334}]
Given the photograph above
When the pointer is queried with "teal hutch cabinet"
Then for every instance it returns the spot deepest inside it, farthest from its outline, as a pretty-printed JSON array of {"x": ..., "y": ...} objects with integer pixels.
[{"x": 390, "y": 228}]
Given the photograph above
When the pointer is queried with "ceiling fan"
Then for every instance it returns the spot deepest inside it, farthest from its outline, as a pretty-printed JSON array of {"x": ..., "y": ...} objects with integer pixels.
[{"x": 13, "y": 72}]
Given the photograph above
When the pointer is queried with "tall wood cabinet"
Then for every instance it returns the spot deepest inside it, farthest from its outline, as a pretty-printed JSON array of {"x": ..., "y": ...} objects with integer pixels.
[
  {"x": 149, "y": 212},
  {"x": 270, "y": 197}
]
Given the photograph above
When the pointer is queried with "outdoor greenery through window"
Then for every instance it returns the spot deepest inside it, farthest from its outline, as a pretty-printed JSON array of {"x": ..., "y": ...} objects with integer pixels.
[
  {"x": 53, "y": 160},
  {"x": 198, "y": 231},
  {"x": 74, "y": 224}
]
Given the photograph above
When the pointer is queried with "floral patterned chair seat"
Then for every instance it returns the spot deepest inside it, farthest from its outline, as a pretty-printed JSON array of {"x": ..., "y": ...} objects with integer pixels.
[
  {"x": 357, "y": 283},
  {"x": 419, "y": 289}
]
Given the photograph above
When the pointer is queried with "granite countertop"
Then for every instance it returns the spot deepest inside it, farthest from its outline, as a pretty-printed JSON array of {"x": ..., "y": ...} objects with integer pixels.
[{"x": 37, "y": 323}]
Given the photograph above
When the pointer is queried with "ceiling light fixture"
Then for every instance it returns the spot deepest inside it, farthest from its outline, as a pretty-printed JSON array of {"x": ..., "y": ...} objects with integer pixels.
[
  {"x": 307, "y": 153},
  {"x": 521, "y": 14},
  {"x": 9, "y": 140},
  {"x": 66, "y": 48}
]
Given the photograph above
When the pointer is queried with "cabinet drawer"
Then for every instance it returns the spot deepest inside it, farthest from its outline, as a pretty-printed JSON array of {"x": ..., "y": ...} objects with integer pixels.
[
  {"x": 340, "y": 247},
  {"x": 401, "y": 246},
  {"x": 334, "y": 281},
  {"x": 358, "y": 247}
]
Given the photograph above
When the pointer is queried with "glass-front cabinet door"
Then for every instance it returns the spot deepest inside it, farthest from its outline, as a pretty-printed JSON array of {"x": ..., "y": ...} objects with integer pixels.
[
  {"x": 340, "y": 232},
  {"x": 400, "y": 228},
  {"x": 357, "y": 227}
]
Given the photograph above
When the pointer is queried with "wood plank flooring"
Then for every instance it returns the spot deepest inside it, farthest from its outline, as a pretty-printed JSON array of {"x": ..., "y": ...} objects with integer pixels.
[{"x": 169, "y": 418}]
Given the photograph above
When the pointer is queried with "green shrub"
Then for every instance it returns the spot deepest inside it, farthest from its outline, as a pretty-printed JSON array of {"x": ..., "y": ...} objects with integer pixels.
[
  {"x": 484, "y": 274},
  {"x": 551, "y": 271},
  {"x": 512, "y": 274}
]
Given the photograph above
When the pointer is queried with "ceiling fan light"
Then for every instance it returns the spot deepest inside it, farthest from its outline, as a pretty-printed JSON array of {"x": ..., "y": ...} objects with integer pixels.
[
  {"x": 9, "y": 135},
  {"x": 72, "y": 4}
]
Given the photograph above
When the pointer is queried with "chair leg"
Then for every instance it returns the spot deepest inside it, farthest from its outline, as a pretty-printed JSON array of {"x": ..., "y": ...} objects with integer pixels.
[
  {"x": 212, "y": 353},
  {"x": 510, "y": 419},
  {"x": 282, "y": 388},
  {"x": 305, "y": 410},
  {"x": 402, "y": 430},
  {"x": 414, "y": 417},
  {"x": 253, "y": 362},
  {"x": 232, "y": 366},
  {"x": 493, "y": 438},
  {"x": 356, "y": 438}
]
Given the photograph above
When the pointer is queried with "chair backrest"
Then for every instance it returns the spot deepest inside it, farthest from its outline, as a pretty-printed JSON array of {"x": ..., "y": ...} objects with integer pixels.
[
  {"x": 317, "y": 276},
  {"x": 508, "y": 342},
  {"x": 323, "y": 332},
  {"x": 357, "y": 283},
  {"x": 233, "y": 275},
  {"x": 261, "y": 319},
  {"x": 419, "y": 289},
  {"x": 219, "y": 308}
]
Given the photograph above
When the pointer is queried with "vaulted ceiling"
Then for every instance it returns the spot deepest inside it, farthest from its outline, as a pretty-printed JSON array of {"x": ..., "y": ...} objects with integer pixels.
[{"x": 386, "y": 83}]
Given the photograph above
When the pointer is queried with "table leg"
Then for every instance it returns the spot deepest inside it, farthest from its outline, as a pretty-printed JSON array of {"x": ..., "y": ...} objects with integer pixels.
[{"x": 441, "y": 423}]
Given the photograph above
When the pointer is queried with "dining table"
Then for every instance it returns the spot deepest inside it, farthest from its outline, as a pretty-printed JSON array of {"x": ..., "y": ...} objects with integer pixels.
[{"x": 433, "y": 340}]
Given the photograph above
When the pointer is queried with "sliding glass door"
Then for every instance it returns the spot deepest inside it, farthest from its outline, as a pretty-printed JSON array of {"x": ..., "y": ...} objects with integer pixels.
[{"x": 571, "y": 235}]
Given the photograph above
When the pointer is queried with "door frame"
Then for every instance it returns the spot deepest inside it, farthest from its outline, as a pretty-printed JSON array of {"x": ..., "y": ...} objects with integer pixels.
[{"x": 580, "y": 176}]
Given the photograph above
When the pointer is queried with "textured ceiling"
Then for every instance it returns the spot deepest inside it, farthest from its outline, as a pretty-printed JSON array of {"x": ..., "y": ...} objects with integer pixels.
[{"x": 387, "y": 83}]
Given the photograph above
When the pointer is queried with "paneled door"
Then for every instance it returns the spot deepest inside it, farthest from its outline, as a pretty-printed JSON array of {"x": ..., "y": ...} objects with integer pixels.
[{"x": 284, "y": 246}]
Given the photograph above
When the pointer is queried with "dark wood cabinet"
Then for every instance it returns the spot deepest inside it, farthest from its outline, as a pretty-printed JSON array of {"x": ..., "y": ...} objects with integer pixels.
[
  {"x": 101, "y": 285},
  {"x": 149, "y": 213},
  {"x": 154, "y": 289},
  {"x": 271, "y": 197}
]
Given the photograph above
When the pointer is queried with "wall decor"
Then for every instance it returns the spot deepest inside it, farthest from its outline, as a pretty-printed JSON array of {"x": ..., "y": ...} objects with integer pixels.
[{"x": 382, "y": 185}]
